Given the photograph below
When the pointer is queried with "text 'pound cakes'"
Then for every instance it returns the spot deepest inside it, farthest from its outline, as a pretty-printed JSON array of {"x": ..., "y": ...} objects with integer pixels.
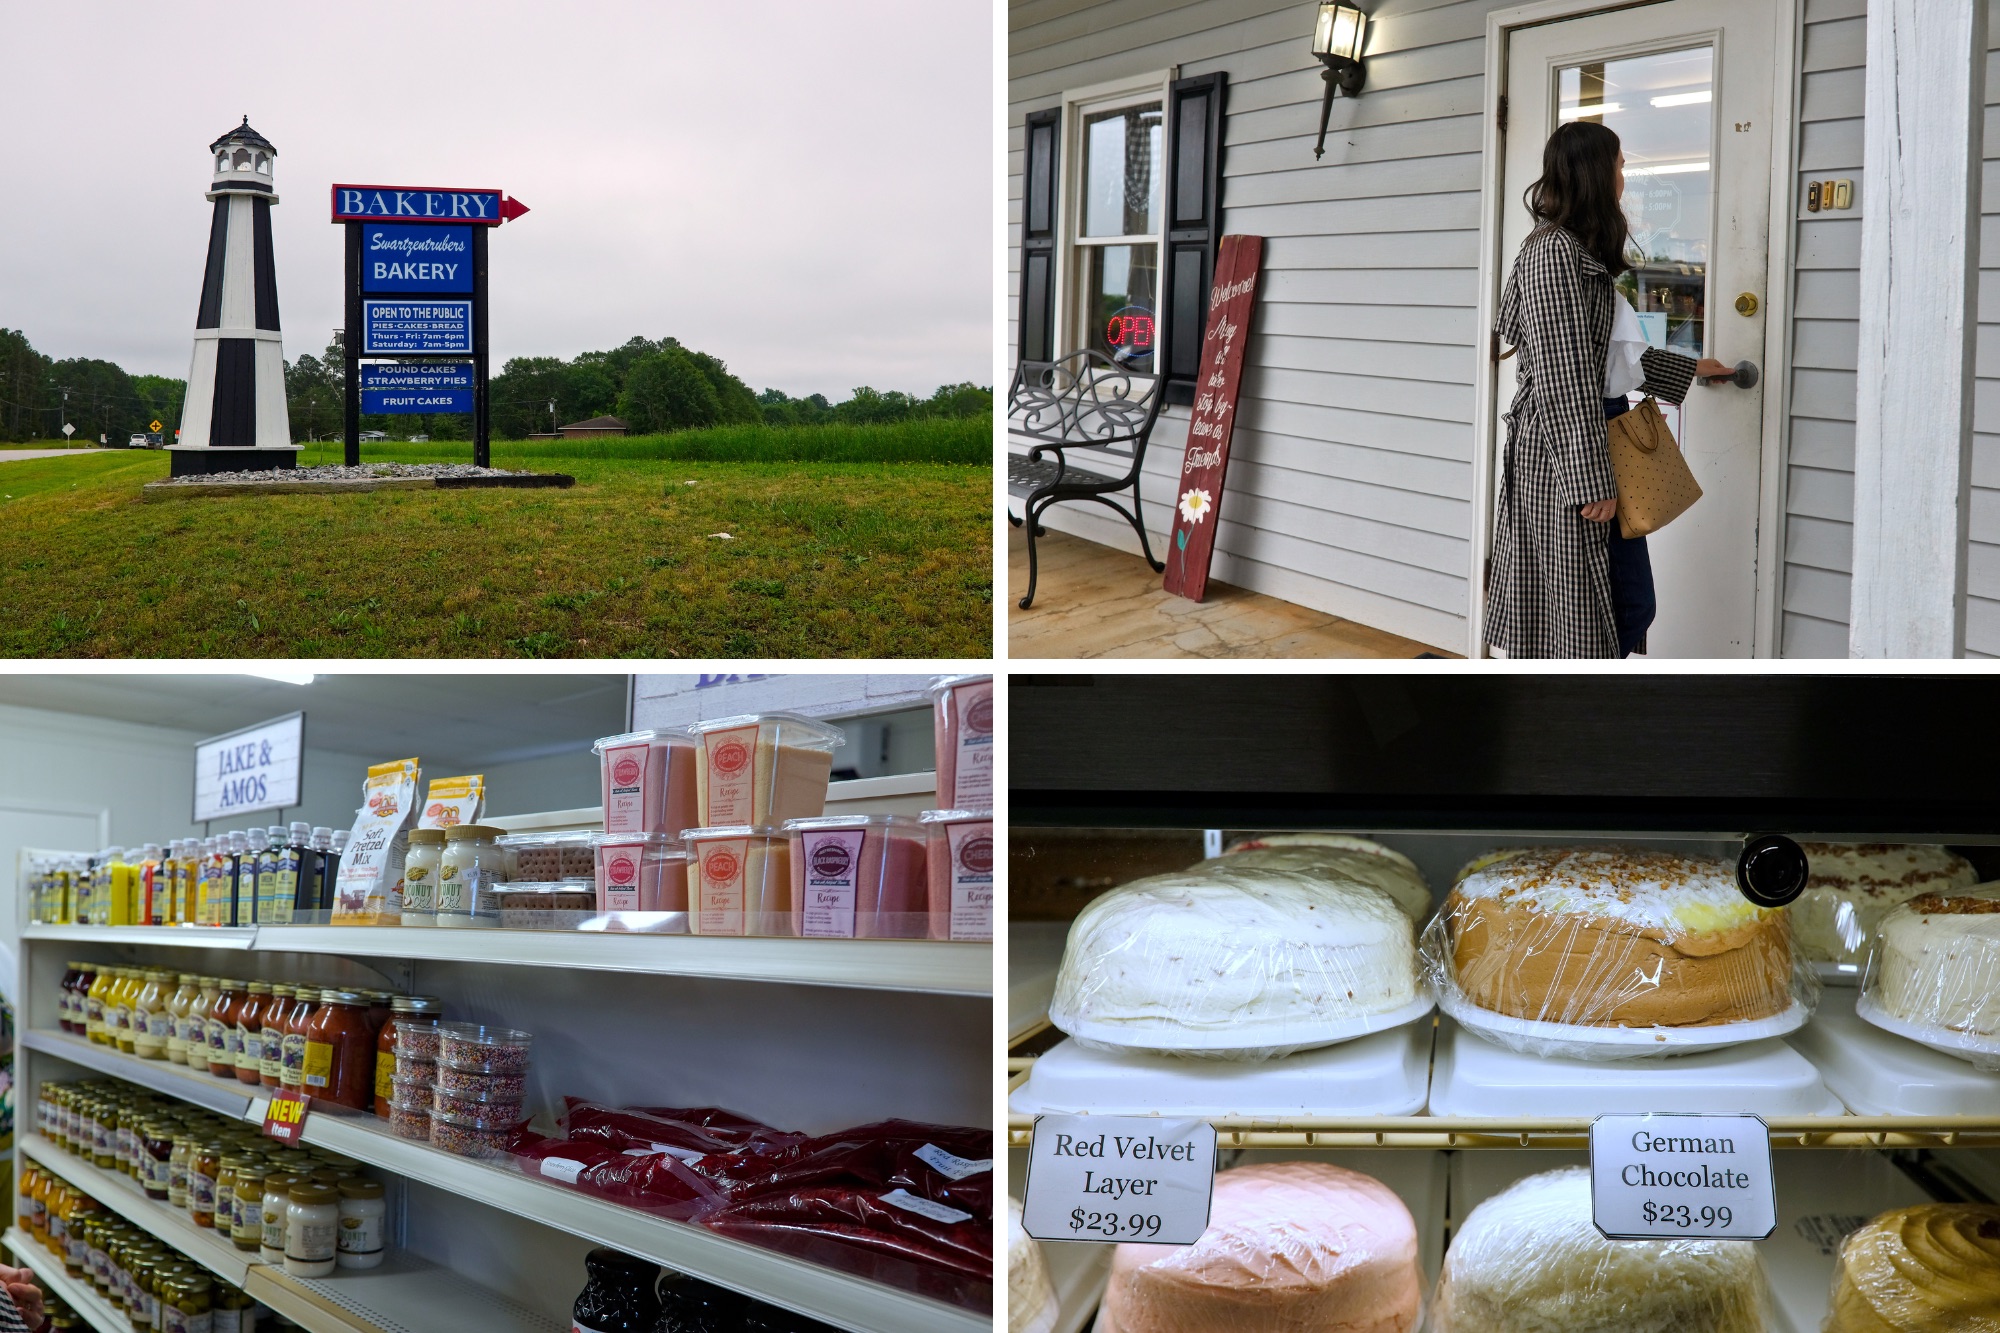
[
  {"x": 1529, "y": 1260},
  {"x": 1290, "y": 1247}
]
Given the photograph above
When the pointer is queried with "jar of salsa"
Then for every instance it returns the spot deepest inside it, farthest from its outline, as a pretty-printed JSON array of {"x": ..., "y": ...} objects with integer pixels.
[
  {"x": 222, "y": 1028},
  {"x": 427, "y": 1008},
  {"x": 292, "y": 1061},
  {"x": 340, "y": 1051},
  {"x": 249, "y": 1039},
  {"x": 271, "y": 1042}
]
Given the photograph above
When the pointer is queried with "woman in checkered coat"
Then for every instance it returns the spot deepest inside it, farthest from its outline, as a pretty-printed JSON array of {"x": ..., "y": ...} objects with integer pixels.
[{"x": 1561, "y": 581}]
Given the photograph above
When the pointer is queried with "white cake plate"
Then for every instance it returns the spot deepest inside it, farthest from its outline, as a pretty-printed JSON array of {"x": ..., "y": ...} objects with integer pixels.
[
  {"x": 1241, "y": 1043},
  {"x": 1981, "y": 1052},
  {"x": 1385, "y": 1073},
  {"x": 1471, "y": 1077},
  {"x": 1605, "y": 1043},
  {"x": 1879, "y": 1073}
]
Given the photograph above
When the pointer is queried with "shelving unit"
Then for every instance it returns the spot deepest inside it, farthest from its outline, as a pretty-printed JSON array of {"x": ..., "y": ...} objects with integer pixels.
[
  {"x": 80, "y": 1294},
  {"x": 203, "y": 1245},
  {"x": 404, "y": 1295},
  {"x": 222, "y": 1096}
]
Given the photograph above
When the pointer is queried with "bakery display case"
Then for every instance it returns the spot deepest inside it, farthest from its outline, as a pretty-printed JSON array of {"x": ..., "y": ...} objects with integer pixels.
[{"x": 1364, "y": 919}]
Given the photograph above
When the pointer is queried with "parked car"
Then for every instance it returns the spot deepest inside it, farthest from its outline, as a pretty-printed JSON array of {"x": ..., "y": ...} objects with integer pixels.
[
  {"x": 420, "y": 439},
  {"x": 139, "y": 440},
  {"x": 374, "y": 435}
]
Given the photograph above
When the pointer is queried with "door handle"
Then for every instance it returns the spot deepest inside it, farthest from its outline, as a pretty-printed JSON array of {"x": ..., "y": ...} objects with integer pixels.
[{"x": 1746, "y": 375}]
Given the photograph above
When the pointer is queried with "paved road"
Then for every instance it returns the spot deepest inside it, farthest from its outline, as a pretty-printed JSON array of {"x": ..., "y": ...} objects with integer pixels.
[{"x": 17, "y": 455}]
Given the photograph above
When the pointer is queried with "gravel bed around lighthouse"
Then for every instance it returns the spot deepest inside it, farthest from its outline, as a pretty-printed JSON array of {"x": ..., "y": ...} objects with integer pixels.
[{"x": 360, "y": 472}]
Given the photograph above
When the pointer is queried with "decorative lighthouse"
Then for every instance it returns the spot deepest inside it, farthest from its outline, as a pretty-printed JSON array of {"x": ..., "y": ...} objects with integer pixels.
[{"x": 234, "y": 416}]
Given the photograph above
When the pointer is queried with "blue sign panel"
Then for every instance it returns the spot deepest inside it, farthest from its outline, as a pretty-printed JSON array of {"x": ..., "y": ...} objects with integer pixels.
[
  {"x": 367, "y": 203},
  {"x": 389, "y": 327},
  {"x": 433, "y": 386},
  {"x": 416, "y": 259}
]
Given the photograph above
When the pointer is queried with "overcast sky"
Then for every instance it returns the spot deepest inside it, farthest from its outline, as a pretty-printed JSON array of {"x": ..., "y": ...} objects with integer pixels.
[{"x": 803, "y": 189}]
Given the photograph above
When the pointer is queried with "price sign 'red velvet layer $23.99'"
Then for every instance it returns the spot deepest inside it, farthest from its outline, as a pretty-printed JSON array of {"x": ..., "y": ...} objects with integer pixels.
[
  {"x": 1654, "y": 1177},
  {"x": 1119, "y": 1178}
]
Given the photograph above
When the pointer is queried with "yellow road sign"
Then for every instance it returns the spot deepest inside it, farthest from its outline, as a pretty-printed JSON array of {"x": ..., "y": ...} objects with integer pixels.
[{"x": 155, "y": 426}]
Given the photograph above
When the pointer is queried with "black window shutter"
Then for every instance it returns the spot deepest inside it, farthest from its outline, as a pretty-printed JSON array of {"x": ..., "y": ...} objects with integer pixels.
[
  {"x": 1041, "y": 132},
  {"x": 1194, "y": 224}
]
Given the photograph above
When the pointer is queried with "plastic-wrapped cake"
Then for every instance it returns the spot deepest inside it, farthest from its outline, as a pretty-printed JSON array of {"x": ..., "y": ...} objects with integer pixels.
[
  {"x": 1932, "y": 1268},
  {"x": 1340, "y": 856},
  {"x": 1290, "y": 1246},
  {"x": 1612, "y": 937},
  {"x": 1529, "y": 1260},
  {"x": 1236, "y": 961},
  {"x": 1031, "y": 1300},
  {"x": 1937, "y": 962},
  {"x": 1854, "y": 885}
]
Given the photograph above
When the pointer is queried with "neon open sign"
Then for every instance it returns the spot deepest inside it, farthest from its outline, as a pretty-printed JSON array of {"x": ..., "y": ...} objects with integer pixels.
[{"x": 1130, "y": 329}]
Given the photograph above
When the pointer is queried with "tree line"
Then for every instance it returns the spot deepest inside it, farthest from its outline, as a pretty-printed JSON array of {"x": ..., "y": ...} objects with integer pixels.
[
  {"x": 38, "y": 394},
  {"x": 654, "y": 385}
]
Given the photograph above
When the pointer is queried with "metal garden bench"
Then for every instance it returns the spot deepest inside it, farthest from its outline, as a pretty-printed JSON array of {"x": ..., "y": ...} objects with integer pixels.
[{"x": 1081, "y": 402}]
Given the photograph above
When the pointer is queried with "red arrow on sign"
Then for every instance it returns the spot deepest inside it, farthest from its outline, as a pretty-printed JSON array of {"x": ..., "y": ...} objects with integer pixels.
[{"x": 511, "y": 208}]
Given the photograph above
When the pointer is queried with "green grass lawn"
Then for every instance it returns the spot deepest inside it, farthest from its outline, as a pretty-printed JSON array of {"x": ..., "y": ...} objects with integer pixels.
[{"x": 833, "y": 558}]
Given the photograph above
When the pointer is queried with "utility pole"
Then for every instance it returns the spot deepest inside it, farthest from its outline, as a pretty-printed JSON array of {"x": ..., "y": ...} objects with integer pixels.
[
  {"x": 65, "y": 417},
  {"x": 552, "y": 416}
]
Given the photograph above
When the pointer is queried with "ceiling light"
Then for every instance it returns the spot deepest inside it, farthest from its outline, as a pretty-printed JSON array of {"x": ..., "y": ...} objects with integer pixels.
[
  {"x": 1684, "y": 99},
  {"x": 1591, "y": 109},
  {"x": 286, "y": 675}
]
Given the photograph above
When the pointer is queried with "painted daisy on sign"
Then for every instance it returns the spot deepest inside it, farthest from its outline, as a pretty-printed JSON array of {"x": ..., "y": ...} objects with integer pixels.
[{"x": 1195, "y": 505}]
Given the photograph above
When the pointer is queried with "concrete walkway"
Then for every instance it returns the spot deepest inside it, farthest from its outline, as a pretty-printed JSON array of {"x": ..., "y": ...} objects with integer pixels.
[
  {"x": 1094, "y": 601},
  {"x": 21, "y": 455}
]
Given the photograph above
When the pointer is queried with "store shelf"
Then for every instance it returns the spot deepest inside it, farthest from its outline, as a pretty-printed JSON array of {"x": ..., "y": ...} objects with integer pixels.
[
  {"x": 80, "y": 1294},
  {"x": 935, "y": 967},
  {"x": 822, "y": 1293},
  {"x": 403, "y": 1295},
  {"x": 115, "y": 1191},
  {"x": 1827, "y": 1131},
  {"x": 930, "y": 966},
  {"x": 223, "y": 1096},
  {"x": 181, "y": 937}
]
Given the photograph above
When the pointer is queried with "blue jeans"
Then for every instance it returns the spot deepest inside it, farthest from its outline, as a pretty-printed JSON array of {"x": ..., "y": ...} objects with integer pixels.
[{"x": 1632, "y": 603}]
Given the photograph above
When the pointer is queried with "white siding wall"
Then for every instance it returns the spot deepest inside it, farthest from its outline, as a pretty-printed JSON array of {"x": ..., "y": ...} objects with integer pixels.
[{"x": 1350, "y": 469}]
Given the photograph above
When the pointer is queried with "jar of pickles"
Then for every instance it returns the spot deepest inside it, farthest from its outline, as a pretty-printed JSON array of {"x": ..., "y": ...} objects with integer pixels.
[
  {"x": 185, "y": 1305},
  {"x": 231, "y": 1310}
]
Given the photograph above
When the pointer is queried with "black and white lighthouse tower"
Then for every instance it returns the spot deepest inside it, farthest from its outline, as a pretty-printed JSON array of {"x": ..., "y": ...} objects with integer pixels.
[{"x": 234, "y": 415}]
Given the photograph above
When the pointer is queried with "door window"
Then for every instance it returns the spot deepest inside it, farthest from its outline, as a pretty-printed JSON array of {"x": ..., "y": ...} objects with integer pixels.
[{"x": 1661, "y": 107}]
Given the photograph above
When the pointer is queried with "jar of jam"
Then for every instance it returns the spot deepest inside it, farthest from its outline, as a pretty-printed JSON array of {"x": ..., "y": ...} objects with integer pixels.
[
  {"x": 249, "y": 1040},
  {"x": 271, "y": 1042},
  {"x": 222, "y": 1028},
  {"x": 225, "y": 1187},
  {"x": 425, "y": 1008},
  {"x": 156, "y": 1149},
  {"x": 618, "y": 1297},
  {"x": 203, "y": 1168},
  {"x": 292, "y": 1063},
  {"x": 178, "y": 1005},
  {"x": 66, "y": 996},
  {"x": 340, "y": 1051}
]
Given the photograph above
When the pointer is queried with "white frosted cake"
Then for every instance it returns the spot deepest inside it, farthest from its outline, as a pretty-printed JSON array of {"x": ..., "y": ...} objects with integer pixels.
[
  {"x": 1231, "y": 961},
  {"x": 1616, "y": 937},
  {"x": 1031, "y": 1300},
  {"x": 1338, "y": 856},
  {"x": 1854, "y": 885},
  {"x": 1529, "y": 1259},
  {"x": 1938, "y": 961}
]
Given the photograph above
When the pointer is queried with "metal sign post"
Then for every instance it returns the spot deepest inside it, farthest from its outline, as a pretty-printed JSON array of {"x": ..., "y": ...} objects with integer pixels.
[{"x": 416, "y": 291}]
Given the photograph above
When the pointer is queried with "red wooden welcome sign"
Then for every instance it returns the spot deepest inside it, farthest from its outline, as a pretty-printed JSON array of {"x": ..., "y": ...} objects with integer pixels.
[{"x": 1199, "y": 495}]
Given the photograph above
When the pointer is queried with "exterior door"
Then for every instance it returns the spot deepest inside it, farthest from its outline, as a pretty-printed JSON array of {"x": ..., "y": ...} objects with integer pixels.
[{"x": 1687, "y": 86}]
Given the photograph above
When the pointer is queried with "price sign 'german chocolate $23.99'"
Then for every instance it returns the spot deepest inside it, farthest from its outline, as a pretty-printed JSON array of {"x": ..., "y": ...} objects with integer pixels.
[
  {"x": 1698, "y": 1176},
  {"x": 1119, "y": 1178}
]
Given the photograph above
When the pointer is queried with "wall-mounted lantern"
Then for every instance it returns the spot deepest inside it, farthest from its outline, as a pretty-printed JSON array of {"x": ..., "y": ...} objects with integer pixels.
[{"x": 1337, "y": 41}]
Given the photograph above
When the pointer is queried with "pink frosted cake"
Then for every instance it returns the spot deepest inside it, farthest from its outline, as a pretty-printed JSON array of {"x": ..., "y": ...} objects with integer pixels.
[{"x": 1290, "y": 1246}]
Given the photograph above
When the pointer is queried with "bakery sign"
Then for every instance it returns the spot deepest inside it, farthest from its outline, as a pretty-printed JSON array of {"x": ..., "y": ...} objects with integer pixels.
[
  {"x": 1661, "y": 1176},
  {"x": 1213, "y": 418},
  {"x": 256, "y": 768},
  {"x": 1119, "y": 1178}
]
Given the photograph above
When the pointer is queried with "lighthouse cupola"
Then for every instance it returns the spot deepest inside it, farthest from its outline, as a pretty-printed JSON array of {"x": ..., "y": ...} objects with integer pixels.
[{"x": 244, "y": 160}]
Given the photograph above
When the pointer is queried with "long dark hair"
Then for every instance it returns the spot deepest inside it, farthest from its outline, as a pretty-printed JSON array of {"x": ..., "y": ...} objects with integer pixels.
[{"x": 1577, "y": 191}]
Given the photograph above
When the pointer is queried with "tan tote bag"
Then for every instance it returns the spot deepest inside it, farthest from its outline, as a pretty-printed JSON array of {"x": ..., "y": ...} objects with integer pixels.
[{"x": 1655, "y": 486}]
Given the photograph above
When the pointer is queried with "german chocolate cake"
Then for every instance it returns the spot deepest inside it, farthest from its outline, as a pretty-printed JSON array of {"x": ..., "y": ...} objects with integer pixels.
[{"x": 1616, "y": 937}]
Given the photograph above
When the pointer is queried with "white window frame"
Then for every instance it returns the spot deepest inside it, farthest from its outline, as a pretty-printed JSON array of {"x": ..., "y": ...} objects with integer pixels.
[{"x": 1071, "y": 335}]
